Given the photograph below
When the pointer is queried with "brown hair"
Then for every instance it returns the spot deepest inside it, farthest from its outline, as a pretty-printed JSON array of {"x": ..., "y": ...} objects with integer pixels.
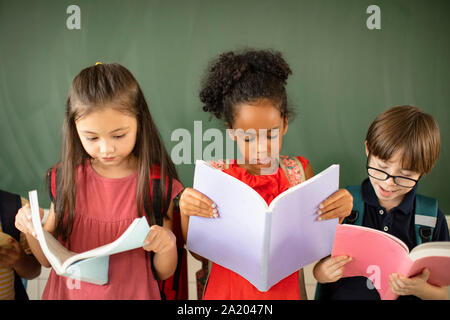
[
  {"x": 91, "y": 90},
  {"x": 410, "y": 130}
]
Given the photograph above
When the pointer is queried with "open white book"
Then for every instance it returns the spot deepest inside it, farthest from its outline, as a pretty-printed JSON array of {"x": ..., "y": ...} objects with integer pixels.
[
  {"x": 90, "y": 266},
  {"x": 262, "y": 243}
]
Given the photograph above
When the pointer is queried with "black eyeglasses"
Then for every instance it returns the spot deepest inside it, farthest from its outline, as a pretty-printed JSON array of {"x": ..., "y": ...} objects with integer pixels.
[{"x": 383, "y": 176}]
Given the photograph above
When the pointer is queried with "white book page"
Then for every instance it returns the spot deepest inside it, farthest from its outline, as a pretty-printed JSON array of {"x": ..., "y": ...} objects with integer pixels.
[
  {"x": 52, "y": 256},
  {"x": 132, "y": 238},
  {"x": 297, "y": 237},
  {"x": 435, "y": 248},
  {"x": 60, "y": 257},
  {"x": 57, "y": 249},
  {"x": 235, "y": 239}
]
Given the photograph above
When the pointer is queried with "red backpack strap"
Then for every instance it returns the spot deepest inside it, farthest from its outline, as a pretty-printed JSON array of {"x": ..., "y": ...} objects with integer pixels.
[
  {"x": 293, "y": 169},
  {"x": 51, "y": 182}
]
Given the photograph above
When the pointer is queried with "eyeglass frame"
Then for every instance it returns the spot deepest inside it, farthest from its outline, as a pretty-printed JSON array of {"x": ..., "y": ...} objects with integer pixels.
[{"x": 389, "y": 176}]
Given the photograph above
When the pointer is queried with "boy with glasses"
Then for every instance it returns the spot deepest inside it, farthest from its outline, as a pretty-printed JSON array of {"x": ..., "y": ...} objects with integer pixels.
[{"x": 402, "y": 145}]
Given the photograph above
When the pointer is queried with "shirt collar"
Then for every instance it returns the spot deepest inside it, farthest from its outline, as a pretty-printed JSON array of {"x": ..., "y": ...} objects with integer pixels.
[{"x": 370, "y": 197}]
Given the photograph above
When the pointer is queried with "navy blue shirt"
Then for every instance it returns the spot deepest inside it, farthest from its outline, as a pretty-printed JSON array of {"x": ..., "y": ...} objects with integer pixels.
[{"x": 399, "y": 222}]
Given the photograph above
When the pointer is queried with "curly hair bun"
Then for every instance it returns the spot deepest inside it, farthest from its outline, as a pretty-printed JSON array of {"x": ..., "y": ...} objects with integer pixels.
[{"x": 238, "y": 77}]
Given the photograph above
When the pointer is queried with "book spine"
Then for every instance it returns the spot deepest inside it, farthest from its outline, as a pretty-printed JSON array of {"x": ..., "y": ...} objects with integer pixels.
[{"x": 265, "y": 252}]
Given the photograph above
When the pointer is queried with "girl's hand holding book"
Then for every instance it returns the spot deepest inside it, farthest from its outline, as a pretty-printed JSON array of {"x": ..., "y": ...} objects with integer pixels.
[
  {"x": 195, "y": 203},
  {"x": 160, "y": 240},
  {"x": 338, "y": 205}
]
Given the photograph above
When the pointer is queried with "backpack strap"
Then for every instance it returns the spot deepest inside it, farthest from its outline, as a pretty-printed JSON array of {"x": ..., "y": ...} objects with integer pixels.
[
  {"x": 52, "y": 178},
  {"x": 9, "y": 205},
  {"x": 293, "y": 169},
  {"x": 357, "y": 214},
  {"x": 425, "y": 218}
]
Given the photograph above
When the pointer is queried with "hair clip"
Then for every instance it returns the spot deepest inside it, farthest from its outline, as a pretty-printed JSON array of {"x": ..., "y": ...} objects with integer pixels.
[{"x": 98, "y": 62}]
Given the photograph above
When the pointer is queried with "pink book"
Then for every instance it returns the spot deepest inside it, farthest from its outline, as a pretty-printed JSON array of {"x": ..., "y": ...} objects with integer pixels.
[{"x": 377, "y": 254}]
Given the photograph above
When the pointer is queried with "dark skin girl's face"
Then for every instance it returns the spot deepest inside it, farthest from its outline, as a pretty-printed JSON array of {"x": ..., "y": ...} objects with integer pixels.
[{"x": 258, "y": 129}]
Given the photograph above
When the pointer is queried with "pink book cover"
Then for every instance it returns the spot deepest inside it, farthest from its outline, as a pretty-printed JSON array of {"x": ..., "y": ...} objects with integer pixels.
[{"x": 377, "y": 254}]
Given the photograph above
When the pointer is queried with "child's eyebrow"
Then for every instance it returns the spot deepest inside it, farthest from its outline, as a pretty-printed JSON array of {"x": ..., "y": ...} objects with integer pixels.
[
  {"x": 119, "y": 129},
  {"x": 113, "y": 131}
]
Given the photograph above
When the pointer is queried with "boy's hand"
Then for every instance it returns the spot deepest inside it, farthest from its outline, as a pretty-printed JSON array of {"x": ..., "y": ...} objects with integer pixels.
[
  {"x": 195, "y": 203},
  {"x": 10, "y": 256},
  {"x": 338, "y": 205},
  {"x": 330, "y": 269},
  {"x": 160, "y": 240},
  {"x": 403, "y": 286}
]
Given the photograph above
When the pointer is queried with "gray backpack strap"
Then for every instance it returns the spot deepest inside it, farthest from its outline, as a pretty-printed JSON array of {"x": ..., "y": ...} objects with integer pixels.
[
  {"x": 425, "y": 218},
  {"x": 357, "y": 215}
]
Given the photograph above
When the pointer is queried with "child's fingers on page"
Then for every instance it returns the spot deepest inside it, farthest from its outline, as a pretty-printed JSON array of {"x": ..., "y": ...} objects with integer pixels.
[
  {"x": 201, "y": 204},
  {"x": 339, "y": 262},
  {"x": 156, "y": 245},
  {"x": 395, "y": 287},
  {"x": 339, "y": 203},
  {"x": 336, "y": 275},
  {"x": 190, "y": 204},
  {"x": 334, "y": 213},
  {"x": 192, "y": 193},
  {"x": 333, "y": 198},
  {"x": 149, "y": 243},
  {"x": 396, "y": 282},
  {"x": 24, "y": 225},
  {"x": 194, "y": 211},
  {"x": 341, "y": 198}
]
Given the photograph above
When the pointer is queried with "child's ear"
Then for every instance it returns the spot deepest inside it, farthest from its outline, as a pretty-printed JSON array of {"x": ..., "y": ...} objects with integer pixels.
[
  {"x": 285, "y": 125},
  {"x": 367, "y": 149}
]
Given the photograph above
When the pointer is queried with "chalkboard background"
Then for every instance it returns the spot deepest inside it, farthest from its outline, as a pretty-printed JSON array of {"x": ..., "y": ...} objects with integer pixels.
[{"x": 344, "y": 74}]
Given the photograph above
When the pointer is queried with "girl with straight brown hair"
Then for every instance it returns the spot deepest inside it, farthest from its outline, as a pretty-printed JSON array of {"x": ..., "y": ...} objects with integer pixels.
[{"x": 112, "y": 156}]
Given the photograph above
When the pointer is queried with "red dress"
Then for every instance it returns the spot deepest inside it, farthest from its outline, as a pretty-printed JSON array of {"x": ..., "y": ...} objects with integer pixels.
[{"x": 224, "y": 284}]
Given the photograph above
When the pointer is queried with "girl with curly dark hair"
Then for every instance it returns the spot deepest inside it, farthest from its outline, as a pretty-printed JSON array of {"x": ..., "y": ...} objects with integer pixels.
[{"x": 248, "y": 91}]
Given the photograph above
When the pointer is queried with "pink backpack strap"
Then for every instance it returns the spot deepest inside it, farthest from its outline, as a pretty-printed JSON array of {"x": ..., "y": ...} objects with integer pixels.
[
  {"x": 220, "y": 164},
  {"x": 293, "y": 169}
]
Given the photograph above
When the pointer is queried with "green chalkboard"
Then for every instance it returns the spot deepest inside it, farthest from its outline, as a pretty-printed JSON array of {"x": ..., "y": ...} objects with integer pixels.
[{"x": 344, "y": 73}]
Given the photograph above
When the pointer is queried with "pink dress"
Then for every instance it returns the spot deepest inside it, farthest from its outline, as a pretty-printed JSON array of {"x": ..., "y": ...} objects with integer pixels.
[{"x": 105, "y": 207}]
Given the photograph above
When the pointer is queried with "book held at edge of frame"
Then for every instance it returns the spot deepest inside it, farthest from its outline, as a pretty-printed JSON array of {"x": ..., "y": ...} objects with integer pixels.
[
  {"x": 92, "y": 265},
  {"x": 377, "y": 254},
  {"x": 264, "y": 244}
]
